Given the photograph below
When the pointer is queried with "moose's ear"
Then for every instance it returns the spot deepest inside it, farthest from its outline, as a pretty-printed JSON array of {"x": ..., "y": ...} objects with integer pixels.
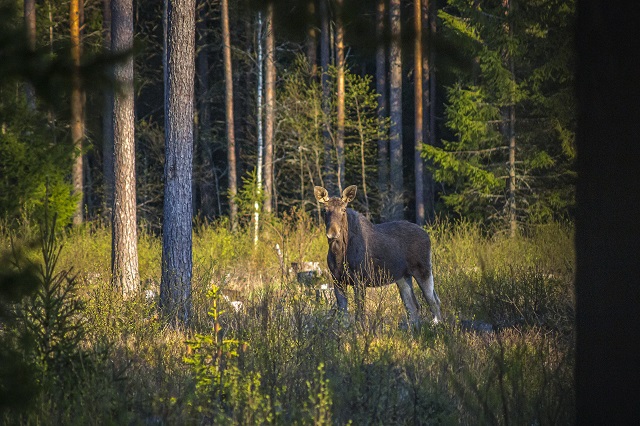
[
  {"x": 349, "y": 193},
  {"x": 321, "y": 194}
]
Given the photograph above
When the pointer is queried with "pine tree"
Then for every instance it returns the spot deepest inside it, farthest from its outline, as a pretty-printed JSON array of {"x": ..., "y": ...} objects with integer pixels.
[{"x": 500, "y": 168}]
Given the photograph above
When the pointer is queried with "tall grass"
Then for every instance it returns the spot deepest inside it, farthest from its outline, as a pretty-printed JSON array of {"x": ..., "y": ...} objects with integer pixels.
[{"x": 504, "y": 354}]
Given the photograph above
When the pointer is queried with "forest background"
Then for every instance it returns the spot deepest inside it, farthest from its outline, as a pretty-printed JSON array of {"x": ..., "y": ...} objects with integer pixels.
[{"x": 468, "y": 127}]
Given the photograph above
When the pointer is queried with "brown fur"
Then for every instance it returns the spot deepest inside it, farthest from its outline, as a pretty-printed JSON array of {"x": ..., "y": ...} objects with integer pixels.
[{"x": 363, "y": 255}]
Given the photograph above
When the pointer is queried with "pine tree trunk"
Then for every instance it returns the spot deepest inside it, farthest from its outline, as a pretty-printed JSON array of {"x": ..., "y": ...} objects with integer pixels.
[
  {"x": 124, "y": 256},
  {"x": 231, "y": 141},
  {"x": 381, "y": 89},
  {"x": 429, "y": 12},
  {"x": 418, "y": 127},
  {"x": 30, "y": 26},
  {"x": 511, "y": 135},
  {"x": 179, "y": 70},
  {"x": 77, "y": 120},
  {"x": 395, "y": 98},
  {"x": 207, "y": 187},
  {"x": 328, "y": 168},
  {"x": 312, "y": 38},
  {"x": 340, "y": 95},
  {"x": 107, "y": 121},
  {"x": 270, "y": 101}
]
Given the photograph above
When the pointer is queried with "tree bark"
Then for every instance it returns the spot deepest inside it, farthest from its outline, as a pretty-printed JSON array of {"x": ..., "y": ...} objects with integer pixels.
[
  {"x": 328, "y": 169},
  {"x": 179, "y": 71},
  {"x": 124, "y": 255},
  {"x": 511, "y": 134},
  {"x": 259, "y": 132},
  {"x": 77, "y": 119},
  {"x": 340, "y": 95},
  {"x": 231, "y": 141},
  {"x": 429, "y": 13},
  {"x": 30, "y": 26},
  {"x": 107, "y": 120},
  {"x": 418, "y": 126},
  {"x": 312, "y": 38},
  {"x": 607, "y": 226},
  {"x": 395, "y": 97},
  {"x": 207, "y": 187},
  {"x": 381, "y": 88},
  {"x": 270, "y": 101}
]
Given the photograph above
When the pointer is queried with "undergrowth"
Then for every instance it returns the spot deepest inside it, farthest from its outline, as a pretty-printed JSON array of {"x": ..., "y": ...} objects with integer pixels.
[{"x": 504, "y": 353}]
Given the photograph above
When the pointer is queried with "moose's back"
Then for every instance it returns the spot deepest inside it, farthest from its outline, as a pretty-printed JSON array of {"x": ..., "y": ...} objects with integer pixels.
[{"x": 397, "y": 248}]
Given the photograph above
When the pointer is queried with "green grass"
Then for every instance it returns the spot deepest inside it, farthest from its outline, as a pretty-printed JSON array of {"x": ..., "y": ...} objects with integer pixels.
[{"x": 289, "y": 359}]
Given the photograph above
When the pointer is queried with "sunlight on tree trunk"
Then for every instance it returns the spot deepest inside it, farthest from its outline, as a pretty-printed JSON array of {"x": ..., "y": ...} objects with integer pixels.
[
  {"x": 124, "y": 254},
  {"x": 77, "y": 120},
  {"x": 229, "y": 115},
  {"x": 395, "y": 98},
  {"x": 270, "y": 117},
  {"x": 418, "y": 127}
]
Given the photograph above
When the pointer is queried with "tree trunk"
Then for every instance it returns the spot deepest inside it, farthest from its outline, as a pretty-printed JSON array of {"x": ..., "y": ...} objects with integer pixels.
[
  {"x": 395, "y": 97},
  {"x": 124, "y": 254},
  {"x": 418, "y": 127},
  {"x": 511, "y": 135},
  {"x": 30, "y": 26},
  {"x": 429, "y": 13},
  {"x": 231, "y": 141},
  {"x": 607, "y": 226},
  {"x": 312, "y": 38},
  {"x": 206, "y": 187},
  {"x": 326, "y": 97},
  {"x": 381, "y": 88},
  {"x": 77, "y": 119},
  {"x": 340, "y": 95},
  {"x": 270, "y": 101},
  {"x": 179, "y": 70},
  {"x": 107, "y": 120},
  {"x": 259, "y": 132}
]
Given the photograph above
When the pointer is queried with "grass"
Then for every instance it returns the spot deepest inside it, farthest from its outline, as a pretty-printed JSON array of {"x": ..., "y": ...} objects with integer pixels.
[{"x": 287, "y": 358}]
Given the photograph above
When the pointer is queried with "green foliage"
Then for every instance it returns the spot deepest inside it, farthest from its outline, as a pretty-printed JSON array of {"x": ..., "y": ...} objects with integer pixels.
[
  {"x": 301, "y": 123},
  {"x": 521, "y": 58},
  {"x": 224, "y": 394},
  {"x": 32, "y": 161},
  {"x": 318, "y": 408}
]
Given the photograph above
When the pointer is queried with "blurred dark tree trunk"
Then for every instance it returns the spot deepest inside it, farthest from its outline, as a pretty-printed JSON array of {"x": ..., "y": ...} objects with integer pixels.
[
  {"x": 429, "y": 13},
  {"x": 179, "y": 73},
  {"x": 607, "y": 225},
  {"x": 395, "y": 100},
  {"x": 381, "y": 88},
  {"x": 312, "y": 38},
  {"x": 124, "y": 254},
  {"x": 30, "y": 26},
  {"x": 206, "y": 185}
]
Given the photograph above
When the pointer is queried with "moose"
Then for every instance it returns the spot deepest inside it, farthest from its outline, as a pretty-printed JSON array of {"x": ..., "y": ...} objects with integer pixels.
[{"x": 362, "y": 255}]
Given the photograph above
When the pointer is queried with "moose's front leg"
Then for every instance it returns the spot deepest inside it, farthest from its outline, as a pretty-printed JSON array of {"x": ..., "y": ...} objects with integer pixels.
[{"x": 341, "y": 297}]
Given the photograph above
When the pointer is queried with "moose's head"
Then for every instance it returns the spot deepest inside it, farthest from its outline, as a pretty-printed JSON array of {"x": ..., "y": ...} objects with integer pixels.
[{"x": 335, "y": 210}]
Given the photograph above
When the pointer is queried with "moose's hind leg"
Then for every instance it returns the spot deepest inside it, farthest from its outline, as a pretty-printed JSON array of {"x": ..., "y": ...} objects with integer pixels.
[
  {"x": 428, "y": 289},
  {"x": 409, "y": 299}
]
